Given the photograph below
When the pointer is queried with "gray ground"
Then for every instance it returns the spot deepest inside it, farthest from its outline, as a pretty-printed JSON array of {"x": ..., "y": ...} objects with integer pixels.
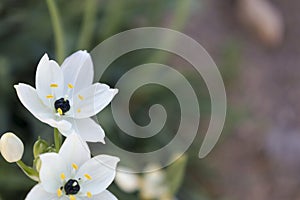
[{"x": 261, "y": 159}]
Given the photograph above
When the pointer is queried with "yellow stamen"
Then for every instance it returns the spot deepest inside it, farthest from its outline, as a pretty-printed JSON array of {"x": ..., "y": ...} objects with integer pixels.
[
  {"x": 74, "y": 166},
  {"x": 70, "y": 86},
  {"x": 53, "y": 85},
  {"x": 59, "y": 192},
  {"x": 89, "y": 195},
  {"x": 49, "y": 96},
  {"x": 59, "y": 110},
  {"x": 88, "y": 177},
  {"x": 62, "y": 176},
  {"x": 80, "y": 97},
  {"x": 78, "y": 110},
  {"x": 72, "y": 197}
]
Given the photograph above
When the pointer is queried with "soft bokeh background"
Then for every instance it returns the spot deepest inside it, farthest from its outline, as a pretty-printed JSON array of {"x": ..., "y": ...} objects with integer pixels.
[{"x": 253, "y": 42}]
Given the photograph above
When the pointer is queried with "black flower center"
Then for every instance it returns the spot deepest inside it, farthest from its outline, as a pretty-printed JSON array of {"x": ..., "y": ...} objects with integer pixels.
[
  {"x": 72, "y": 187},
  {"x": 63, "y": 105}
]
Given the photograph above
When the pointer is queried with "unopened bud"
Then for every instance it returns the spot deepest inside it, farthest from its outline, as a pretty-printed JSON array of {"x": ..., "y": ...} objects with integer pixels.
[
  {"x": 39, "y": 147},
  {"x": 12, "y": 147},
  {"x": 37, "y": 163}
]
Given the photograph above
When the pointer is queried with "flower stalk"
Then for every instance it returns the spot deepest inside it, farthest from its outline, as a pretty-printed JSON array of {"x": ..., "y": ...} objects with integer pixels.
[
  {"x": 87, "y": 29},
  {"x": 58, "y": 31},
  {"x": 29, "y": 171},
  {"x": 57, "y": 140}
]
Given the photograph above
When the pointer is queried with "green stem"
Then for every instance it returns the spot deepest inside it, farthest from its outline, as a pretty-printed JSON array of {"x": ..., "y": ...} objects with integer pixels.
[
  {"x": 87, "y": 29},
  {"x": 180, "y": 17},
  {"x": 29, "y": 171},
  {"x": 58, "y": 31},
  {"x": 181, "y": 14},
  {"x": 57, "y": 139},
  {"x": 114, "y": 14}
]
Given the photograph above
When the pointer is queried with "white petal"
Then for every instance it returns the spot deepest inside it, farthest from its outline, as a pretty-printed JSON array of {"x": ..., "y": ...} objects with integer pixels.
[
  {"x": 78, "y": 70},
  {"x": 75, "y": 150},
  {"x": 38, "y": 193},
  {"x": 89, "y": 130},
  {"x": 53, "y": 165},
  {"x": 63, "y": 125},
  {"x": 127, "y": 180},
  {"x": 102, "y": 170},
  {"x": 105, "y": 195},
  {"x": 30, "y": 99},
  {"x": 48, "y": 72},
  {"x": 90, "y": 101}
]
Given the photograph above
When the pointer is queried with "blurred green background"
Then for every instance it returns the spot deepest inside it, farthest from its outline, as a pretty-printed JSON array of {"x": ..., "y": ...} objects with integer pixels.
[{"x": 257, "y": 157}]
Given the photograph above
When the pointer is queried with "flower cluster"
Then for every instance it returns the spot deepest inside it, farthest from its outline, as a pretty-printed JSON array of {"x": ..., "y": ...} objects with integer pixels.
[{"x": 66, "y": 99}]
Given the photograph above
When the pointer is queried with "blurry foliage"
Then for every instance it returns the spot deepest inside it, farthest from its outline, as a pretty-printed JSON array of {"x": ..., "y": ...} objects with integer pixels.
[
  {"x": 175, "y": 174},
  {"x": 26, "y": 34}
]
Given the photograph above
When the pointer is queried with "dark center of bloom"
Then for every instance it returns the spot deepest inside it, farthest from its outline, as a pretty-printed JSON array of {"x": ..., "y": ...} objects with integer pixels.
[
  {"x": 71, "y": 187},
  {"x": 63, "y": 105}
]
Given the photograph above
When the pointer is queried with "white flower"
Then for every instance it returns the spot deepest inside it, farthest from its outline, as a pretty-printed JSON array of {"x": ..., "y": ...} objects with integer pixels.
[
  {"x": 127, "y": 180},
  {"x": 152, "y": 185},
  {"x": 65, "y": 97},
  {"x": 73, "y": 175},
  {"x": 12, "y": 147}
]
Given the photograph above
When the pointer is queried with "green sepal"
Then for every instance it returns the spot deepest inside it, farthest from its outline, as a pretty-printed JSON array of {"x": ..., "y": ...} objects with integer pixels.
[
  {"x": 40, "y": 146},
  {"x": 37, "y": 164}
]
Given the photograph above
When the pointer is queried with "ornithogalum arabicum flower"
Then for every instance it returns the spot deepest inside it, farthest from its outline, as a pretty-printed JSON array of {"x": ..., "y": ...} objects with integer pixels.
[
  {"x": 72, "y": 174},
  {"x": 65, "y": 97}
]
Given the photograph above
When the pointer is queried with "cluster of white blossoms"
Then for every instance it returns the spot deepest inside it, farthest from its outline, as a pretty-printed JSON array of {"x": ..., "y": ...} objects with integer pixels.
[{"x": 66, "y": 98}]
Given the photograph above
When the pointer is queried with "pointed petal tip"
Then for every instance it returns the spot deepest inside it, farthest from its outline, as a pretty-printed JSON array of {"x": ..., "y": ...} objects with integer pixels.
[
  {"x": 82, "y": 52},
  {"x": 105, "y": 159},
  {"x": 17, "y": 86},
  {"x": 102, "y": 140},
  {"x": 115, "y": 91},
  {"x": 115, "y": 158},
  {"x": 53, "y": 62},
  {"x": 45, "y": 56},
  {"x": 97, "y": 140},
  {"x": 118, "y": 159}
]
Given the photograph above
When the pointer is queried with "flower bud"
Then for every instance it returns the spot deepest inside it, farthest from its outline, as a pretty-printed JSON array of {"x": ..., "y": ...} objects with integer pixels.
[
  {"x": 39, "y": 147},
  {"x": 12, "y": 148},
  {"x": 37, "y": 163}
]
